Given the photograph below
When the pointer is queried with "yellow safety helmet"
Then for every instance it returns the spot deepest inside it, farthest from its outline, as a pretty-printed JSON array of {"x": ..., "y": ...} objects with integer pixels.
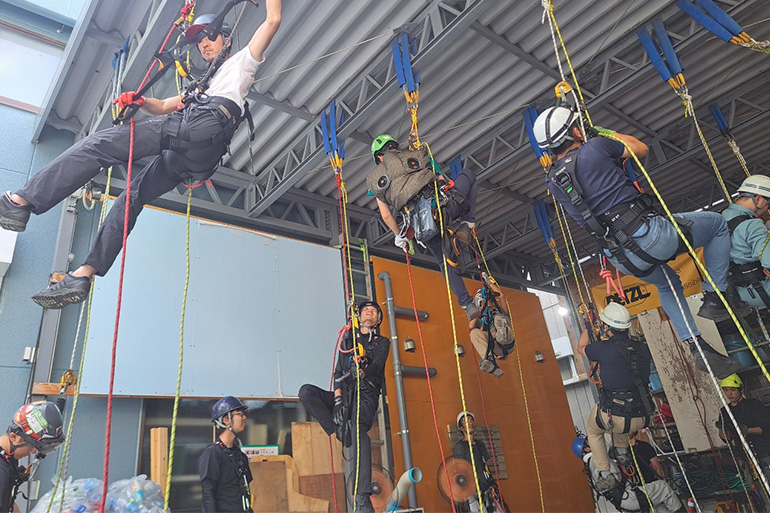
[{"x": 732, "y": 381}]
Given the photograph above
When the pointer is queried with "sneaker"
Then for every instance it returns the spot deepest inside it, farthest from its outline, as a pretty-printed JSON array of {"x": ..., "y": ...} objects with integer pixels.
[
  {"x": 69, "y": 290},
  {"x": 13, "y": 217},
  {"x": 714, "y": 309},
  {"x": 722, "y": 365},
  {"x": 364, "y": 503},
  {"x": 606, "y": 480},
  {"x": 471, "y": 310},
  {"x": 489, "y": 366}
]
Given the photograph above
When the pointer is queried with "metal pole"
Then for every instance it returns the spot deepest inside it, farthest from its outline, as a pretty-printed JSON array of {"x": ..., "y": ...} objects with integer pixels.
[{"x": 406, "y": 446}]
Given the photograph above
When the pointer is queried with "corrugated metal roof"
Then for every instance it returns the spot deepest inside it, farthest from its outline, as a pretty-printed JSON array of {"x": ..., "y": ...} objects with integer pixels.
[{"x": 501, "y": 63}]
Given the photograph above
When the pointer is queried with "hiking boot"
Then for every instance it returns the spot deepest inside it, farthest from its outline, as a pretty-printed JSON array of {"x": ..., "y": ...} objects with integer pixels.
[
  {"x": 471, "y": 310},
  {"x": 364, "y": 503},
  {"x": 13, "y": 217},
  {"x": 721, "y": 365},
  {"x": 714, "y": 309},
  {"x": 69, "y": 290},
  {"x": 606, "y": 480},
  {"x": 489, "y": 365}
]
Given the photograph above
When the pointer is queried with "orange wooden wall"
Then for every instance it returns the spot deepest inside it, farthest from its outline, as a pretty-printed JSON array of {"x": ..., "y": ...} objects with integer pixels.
[{"x": 564, "y": 485}]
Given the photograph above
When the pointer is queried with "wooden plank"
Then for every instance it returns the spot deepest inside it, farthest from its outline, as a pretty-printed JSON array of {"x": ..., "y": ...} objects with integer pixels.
[
  {"x": 159, "y": 457},
  {"x": 310, "y": 446},
  {"x": 320, "y": 486},
  {"x": 269, "y": 490},
  {"x": 50, "y": 389},
  {"x": 296, "y": 502},
  {"x": 673, "y": 367}
]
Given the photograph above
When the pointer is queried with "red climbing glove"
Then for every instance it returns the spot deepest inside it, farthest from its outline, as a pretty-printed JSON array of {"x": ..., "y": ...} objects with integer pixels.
[{"x": 128, "y": 98}]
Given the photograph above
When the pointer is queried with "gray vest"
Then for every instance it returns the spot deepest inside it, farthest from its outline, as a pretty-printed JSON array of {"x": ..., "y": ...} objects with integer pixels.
[{"x": 400, "y": 176}]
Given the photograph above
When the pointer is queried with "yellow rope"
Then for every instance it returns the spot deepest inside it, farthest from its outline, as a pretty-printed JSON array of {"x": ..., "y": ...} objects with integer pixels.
[
  {"x": 737, "y": 151},
  {"x": 523, "y": 387},
  {"x": 559, "y": 213},
  {"x": 175, "y": 413},
  {"x": 639, "y": 473}
]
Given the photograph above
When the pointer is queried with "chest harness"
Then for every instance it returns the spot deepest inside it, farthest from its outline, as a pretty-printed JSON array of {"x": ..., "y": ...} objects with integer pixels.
[
  {"x": 613, "y": 229},
  {"x": 751, "y": 274},
  {"x": 628, "y": 403},
  {"x": 243, "y": 478}
]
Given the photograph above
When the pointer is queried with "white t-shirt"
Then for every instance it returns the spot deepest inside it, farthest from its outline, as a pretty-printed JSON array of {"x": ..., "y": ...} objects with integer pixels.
[{"x": 234, "y": 78}]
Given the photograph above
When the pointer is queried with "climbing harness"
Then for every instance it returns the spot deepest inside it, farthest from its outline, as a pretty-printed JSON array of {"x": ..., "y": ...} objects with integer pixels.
[
  {"x": 722, "y": 25},
  {"x": 670, "y": 70},
  {"x": 724, "y": 129},
  {"x": 750, "y": 275}
]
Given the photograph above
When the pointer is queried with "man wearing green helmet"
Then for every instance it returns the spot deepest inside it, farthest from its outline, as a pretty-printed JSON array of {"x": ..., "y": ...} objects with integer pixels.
[
  {"x": 748, "y": 239},
  {"x": 404, "y": 185},
  {"x": 752, "y": 418}
]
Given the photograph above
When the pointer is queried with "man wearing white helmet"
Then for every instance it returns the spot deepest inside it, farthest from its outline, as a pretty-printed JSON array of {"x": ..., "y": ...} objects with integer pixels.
[
  {"x": 588, "y": 181},
  {"x": 748, "y": 240},
  {"x": 624, "y": 401}
]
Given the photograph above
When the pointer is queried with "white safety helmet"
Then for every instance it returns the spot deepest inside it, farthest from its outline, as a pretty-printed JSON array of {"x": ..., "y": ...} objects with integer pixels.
[
  {"x": 552, "y": 126},
  {"x": 460, "y": 422},
  {"x": 756, "y": 184},
  {"x": 616, "y": 316}
]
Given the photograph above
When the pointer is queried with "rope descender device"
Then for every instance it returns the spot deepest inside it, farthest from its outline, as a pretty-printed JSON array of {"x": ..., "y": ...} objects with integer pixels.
[
  {"x": 408, "y": 81},
  {"x": 68, "y": 379}
]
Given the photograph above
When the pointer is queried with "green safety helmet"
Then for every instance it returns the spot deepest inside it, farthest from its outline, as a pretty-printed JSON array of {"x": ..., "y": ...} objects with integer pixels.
[{"x": 379, "y": 142}]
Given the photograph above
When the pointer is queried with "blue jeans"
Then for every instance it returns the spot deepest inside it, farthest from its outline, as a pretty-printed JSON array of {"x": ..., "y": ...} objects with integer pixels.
[{"x": 659, "y": 239}]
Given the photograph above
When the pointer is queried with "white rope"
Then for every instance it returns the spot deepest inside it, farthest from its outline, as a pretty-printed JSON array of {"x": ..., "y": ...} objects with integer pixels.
[{"x": 77, "y": 335}]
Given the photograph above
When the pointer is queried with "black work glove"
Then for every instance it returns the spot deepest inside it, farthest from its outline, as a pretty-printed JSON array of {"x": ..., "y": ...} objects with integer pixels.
[
  {"x": 338, "y": 411},
  {"x": 744, "y": 429}
]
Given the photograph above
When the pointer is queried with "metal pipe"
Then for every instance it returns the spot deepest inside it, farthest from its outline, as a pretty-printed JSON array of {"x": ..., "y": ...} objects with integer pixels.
[
  {"x": 410, "y": 370},
  {"x": 405, "y": 483},
  {"x": 409, "y": 312},
  {"x": 406, "y": 446}
]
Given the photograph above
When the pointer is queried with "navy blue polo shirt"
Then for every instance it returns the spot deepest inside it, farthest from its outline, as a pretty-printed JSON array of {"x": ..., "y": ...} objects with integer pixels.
[
  {"x": 614, "y": 371},
  {"x": 599, "y": 175}
]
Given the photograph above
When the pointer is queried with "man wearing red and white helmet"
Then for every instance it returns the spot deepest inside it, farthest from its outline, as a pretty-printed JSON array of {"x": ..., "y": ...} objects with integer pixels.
[{"x": 37, "y": 429}]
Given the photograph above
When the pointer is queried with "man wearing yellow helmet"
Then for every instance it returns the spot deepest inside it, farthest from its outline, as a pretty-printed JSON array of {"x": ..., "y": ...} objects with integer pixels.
[{"x": 750, "y": 414}]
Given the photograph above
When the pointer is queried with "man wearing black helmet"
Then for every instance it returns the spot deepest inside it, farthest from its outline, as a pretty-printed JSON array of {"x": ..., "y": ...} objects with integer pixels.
[
  {"x": 334, "y": 410},
  {"x": 187, "y": 140},
  {"x": 36, "y": 430},
  {"x": 222, "y": 466}
]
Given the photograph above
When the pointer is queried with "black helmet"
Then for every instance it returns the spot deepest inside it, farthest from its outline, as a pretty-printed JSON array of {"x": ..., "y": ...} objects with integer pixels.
[
  {"x": 40, "y": 425},
  {"x": 364, "y": 304},
  {"x": 193, "y": 32},
  {"x": 224, "y": 406}
]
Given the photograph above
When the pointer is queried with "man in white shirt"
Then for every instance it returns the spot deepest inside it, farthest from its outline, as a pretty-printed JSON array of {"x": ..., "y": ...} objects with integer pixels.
[{"x": 187, "y": 139}]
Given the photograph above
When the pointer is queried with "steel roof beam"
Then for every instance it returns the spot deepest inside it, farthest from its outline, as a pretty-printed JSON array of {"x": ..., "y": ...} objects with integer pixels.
[{"x": 283, "y": 173}]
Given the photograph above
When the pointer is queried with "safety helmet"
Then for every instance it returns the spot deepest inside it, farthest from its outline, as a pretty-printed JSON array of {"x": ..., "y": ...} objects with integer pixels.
[
  {"x": 460, "y": 423},
  {"x": 225, "y": 406},
  {"x": 364, "y": 304},
  {"x": 616, "y": 316},
  {"x": 577, "y": 446},
  {"x": 379, "y": 142},
  {"x": 480, "y": 298},
  {"x": 552, "y": 126},
  {"x": 732, "y": 381},
  {"x": 193, "y": 32},
  {"x": 756, "y": 184},
  {"x": 40, "y": 425}
]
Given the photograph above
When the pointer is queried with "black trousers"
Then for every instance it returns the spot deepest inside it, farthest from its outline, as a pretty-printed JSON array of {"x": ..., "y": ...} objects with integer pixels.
[
  {"x": 83, "y": 161},
  {"x": 319, "y": 404}
]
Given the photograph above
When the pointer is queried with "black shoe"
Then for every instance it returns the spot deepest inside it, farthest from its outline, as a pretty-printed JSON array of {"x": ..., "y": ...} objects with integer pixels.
[
  {"x": 69, "y": 290},
  {"x": 13, "y": 217},
  {"x": 364, "y": 503},
  {"x": 714, "y": 309},
  {"x": 721, "y": 365}
]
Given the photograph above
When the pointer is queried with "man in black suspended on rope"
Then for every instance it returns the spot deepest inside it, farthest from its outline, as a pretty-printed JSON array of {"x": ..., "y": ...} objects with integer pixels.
[
  {"x": 336, "y": 411},
  {"x": 187, "y": 140},
  {"x": 37, "y": 429},
  {"x": 749, "y": 237},
  {"x": 491, "y": 332},
  {"x": 587, "y": 179},
  {"x": 624, "y": 401},
  {"x": 404, "y": 184},
  {"x": 223, "y": 468}
]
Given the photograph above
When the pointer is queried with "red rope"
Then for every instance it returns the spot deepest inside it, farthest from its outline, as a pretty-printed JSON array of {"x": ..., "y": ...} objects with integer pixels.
[
  {"x": 108, "y": 431},
  {"x": 430, "y": 386},
  {"x": 486, "y": 421}
]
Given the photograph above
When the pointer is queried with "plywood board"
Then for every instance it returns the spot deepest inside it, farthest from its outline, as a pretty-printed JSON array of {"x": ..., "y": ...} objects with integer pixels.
[
  {"x": 310, "y": 447},
  {"x": 269, "y": 490},
  {"x": 674, "y": 366},
  {"x": 297, "y": 503},
  {"x": 320, "y": 486}
]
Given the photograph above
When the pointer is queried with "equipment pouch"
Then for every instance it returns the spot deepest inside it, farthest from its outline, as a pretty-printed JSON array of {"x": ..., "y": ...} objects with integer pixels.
[{"x": 423, "y": 223}]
